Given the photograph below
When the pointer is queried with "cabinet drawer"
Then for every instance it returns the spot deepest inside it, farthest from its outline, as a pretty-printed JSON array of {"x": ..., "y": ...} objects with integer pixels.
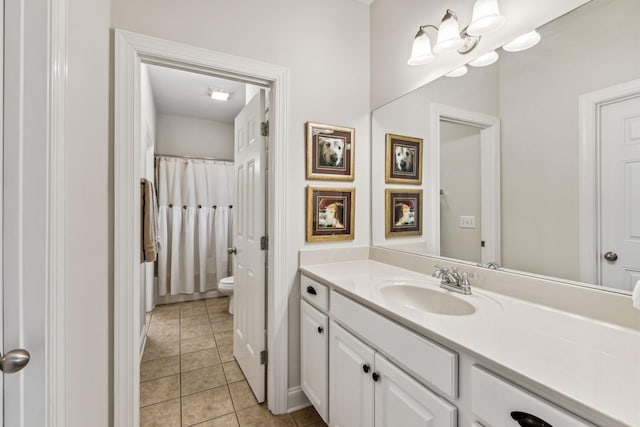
[
  {"x": 493, "y": 400},
  {"x": 425, "y": 360},
  {"x": 314, "y": 292}
]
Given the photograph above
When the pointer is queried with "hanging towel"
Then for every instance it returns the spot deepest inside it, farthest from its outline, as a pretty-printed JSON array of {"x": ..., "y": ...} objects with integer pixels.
[
  {"x": 636, "y": 295},
  {"x": 149, "y": 232}
]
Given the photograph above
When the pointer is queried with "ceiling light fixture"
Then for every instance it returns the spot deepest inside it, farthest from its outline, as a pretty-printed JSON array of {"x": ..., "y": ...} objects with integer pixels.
[
  {"x": 486, "y": 59},
  {"x": 219, "y": 95},
  {"x": 486, "y": 18},
  {"x": 523, "y": 42}
]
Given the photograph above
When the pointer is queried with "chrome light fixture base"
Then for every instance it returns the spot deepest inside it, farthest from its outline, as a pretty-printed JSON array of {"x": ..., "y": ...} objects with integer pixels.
[{"x": 470, "y": 42}]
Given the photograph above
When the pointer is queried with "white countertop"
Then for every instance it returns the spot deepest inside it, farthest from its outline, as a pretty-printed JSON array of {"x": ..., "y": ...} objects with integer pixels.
[{"x": 574, "y": 359}]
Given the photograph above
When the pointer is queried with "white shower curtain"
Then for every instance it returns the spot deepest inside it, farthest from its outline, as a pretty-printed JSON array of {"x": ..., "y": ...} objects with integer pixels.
[{"x": 195, "y": 198}]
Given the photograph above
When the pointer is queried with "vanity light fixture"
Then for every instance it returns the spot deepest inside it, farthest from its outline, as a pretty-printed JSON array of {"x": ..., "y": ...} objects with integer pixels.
[
  {"x": 458, "y": 72},
  {"x": 219, "y": 95},
  {"x": 523, "y": 42},
  {"x": 486, "y": 18},
  {"x": 485, "y": 60}
]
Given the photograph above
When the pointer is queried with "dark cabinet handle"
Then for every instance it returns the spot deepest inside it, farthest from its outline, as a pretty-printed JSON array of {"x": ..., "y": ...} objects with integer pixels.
[
  {"x": 375, "y": 376},
  {"x": 320, "y": 329},
  {"x": 311, "y": 290},
  {"x": 528, "y": 420},
  {"x": 366, "y": 368}
]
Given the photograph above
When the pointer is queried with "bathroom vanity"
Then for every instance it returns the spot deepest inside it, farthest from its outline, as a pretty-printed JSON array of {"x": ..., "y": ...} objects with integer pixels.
[{"x": 386, "y": 346}]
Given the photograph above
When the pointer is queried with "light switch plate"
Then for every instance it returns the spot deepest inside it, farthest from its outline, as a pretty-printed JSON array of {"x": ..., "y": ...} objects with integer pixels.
[{"x": 467, "y": 222}]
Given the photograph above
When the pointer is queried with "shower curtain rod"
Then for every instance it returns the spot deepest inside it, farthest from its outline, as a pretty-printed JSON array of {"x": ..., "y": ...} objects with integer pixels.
[{"x": 193, "y": 158}]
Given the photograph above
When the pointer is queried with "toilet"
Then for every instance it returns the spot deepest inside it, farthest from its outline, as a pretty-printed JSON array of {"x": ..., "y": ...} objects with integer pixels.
[{"x": 225, "y": 287}]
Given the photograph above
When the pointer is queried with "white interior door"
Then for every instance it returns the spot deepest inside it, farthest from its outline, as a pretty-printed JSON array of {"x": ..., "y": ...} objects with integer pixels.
[
  {"x": 620, "y": 194},
  {"x": 249, "y": 326},
  {"x": 24, "y": 207}
]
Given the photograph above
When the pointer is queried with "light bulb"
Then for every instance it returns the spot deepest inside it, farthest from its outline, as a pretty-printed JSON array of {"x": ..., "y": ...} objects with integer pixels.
[
  {"x": 486, "y": 59},
  {"x": 448, "y": 33},
  {"x": 421, "y": 50},
  {"x": 523, "y": 42},
  {"x": 458, "y": 72},
  {"x": 485, "y": 18}
]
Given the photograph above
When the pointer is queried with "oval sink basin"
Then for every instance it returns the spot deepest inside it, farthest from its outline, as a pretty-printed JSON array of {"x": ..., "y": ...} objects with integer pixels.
[{"x": 429, "y": 300}]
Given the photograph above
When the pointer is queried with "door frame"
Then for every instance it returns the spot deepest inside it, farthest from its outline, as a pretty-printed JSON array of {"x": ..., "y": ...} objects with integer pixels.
[
  {"x": 489, "y": 173},
  {"x": 590, "y": 233},
  {"x": 131, "y": 49}
]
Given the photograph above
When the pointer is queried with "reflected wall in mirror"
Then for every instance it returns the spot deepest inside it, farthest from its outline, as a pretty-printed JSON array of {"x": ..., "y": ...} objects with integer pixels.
[{"x": 534, "y": 161}]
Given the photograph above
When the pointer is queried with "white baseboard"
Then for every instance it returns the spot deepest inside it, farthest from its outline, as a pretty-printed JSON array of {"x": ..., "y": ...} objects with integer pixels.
[
  {"x": 171, "y": 299},
  {"x": 296, "y": 399}
]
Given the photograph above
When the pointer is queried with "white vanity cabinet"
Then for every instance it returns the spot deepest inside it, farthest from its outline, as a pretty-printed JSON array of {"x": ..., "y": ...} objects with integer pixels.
[
  {"x": 365, "y": 389},
  {"x": 314, "y": 354}
]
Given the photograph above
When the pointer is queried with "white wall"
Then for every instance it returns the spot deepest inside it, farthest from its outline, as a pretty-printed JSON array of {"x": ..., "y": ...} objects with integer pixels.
[
  {"x": 329, "y": 83},
  {"x": 460, "y": 182},
  {"x": 90, "y": 220},
  {"x": 187, "y": 136},
  {"x": 394, "y": 25}
]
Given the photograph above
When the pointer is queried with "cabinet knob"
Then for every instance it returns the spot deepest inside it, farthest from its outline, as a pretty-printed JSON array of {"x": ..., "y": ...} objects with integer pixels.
[
  {"x": 375, "y": 376},
  {"x": 366, "y": 368},
  {"x": 528, "y": 420},
  {"x": 311, "y": 290},
  {"x": 320, "y": 329}
]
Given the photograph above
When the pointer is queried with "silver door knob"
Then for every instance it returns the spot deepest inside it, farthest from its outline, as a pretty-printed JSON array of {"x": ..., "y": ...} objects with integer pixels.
[
  {"x": 232, "y": 250},
  {"x": 14, "y": 361},
  {"x": 611, "y": 256}
]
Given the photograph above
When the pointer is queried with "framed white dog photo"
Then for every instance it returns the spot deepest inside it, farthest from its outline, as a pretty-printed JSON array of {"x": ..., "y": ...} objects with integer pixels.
[
  {"x": 403, "y": 163},
  {"x": 330, "y": 213},
  {"x": 330, "y": 152}
]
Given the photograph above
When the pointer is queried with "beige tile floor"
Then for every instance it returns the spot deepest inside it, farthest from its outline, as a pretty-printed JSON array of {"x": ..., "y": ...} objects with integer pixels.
[{"x": 189, "y": 377}]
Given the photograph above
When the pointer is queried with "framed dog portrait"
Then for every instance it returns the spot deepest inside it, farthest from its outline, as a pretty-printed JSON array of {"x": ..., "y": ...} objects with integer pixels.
[
  {"x": 403, "y": 160},
  {"x": 330, "y": 213},
  {"x": 330, "y": 152},
  {"x": 403, "y": 212}
]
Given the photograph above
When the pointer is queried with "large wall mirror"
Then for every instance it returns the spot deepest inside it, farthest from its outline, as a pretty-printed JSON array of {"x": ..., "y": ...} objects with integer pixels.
[{"x": 532, "y": 162}]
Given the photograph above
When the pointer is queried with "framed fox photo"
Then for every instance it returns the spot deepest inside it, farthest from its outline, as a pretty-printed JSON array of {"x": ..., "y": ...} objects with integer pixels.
[
  {"x": 403, "y": 163},
  {"x": 403, "y": 212},
  {"x": 330, "y": 213},
  {"x": 330, "y": 152}
]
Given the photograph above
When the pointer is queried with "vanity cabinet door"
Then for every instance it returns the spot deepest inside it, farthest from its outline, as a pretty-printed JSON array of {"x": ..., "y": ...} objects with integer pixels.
[
  {"x": 350, "y": 380},
  {"x": 402, "y": 401},
  {"x": 314, "y": 354}
]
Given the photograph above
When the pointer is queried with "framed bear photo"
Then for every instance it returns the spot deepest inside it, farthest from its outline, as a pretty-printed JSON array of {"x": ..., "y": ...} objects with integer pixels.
[
  {"x": 403, "y": 160},
  {"x": 403, "y": 212},
  {"x": 330, "y": 213},
  {"x": 330, "y": 152}
]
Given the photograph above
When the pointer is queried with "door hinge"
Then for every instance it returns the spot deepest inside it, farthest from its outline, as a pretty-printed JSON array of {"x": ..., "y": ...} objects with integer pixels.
[
  {"x": 482, "y": 243},
  {"x": 264, "y": 128},
  {"x": 263, "y": 357},
  {"x": 264, "y": 243}
]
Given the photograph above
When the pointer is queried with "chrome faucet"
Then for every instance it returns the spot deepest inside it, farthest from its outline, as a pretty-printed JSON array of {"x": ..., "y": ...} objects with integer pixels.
[{"x": 453, "y": 280}]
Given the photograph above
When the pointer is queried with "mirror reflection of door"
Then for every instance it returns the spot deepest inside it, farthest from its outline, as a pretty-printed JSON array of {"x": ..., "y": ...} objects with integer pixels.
[
  {"x": 620, "y": 193},
  {"x": 460, "y": 184}
]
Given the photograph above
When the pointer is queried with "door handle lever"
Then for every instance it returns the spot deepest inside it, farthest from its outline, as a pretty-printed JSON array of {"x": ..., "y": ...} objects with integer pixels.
[{"x": 14, "y": 361}]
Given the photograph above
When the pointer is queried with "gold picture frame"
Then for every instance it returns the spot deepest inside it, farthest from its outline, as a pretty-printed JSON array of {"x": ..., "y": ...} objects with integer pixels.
[
  {"x": 330, "y": 152},
  {"x": 330, "y": 213},
  {"x": 403, "y": 212},
  {"x": 403, "y": 160}
]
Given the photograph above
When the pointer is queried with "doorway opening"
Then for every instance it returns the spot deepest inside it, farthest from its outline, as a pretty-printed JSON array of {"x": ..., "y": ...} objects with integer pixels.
[
  {"x": 468, "y": 142},
  {"x": 132, "y": 51}
]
